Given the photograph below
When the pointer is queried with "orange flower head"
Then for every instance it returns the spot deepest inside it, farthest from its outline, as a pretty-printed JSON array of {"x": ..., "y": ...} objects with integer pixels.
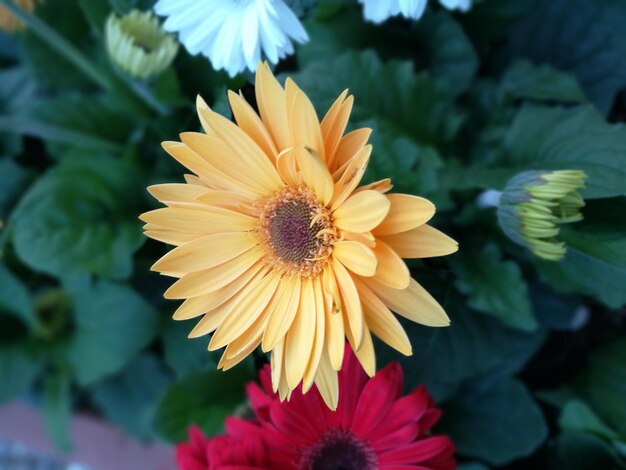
[{"x": 278, "y": 246}]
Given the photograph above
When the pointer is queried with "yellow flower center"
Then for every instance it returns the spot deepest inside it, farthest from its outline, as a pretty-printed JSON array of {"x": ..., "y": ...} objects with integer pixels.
[{"x": 296, "y": 231}]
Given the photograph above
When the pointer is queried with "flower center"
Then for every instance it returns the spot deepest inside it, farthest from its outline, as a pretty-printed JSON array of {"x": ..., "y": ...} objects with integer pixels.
[
  {"x": 338, "y": 450},
  {"x": 297, "y": 231}
]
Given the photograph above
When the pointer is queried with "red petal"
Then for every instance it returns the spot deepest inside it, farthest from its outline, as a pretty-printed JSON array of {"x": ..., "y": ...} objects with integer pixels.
[{"x": 376, "y": 399}]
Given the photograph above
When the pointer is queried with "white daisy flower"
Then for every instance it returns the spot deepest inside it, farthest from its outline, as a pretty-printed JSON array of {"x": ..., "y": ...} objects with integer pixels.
[
  {"x": 378, "y": 11},
  {"x": 233, "y": 33}
]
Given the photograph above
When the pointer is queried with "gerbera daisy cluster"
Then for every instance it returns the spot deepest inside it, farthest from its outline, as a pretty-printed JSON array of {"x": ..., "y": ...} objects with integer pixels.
[
  {"x": 374, "y": 427},
  {"x": 277, "y": 245}
]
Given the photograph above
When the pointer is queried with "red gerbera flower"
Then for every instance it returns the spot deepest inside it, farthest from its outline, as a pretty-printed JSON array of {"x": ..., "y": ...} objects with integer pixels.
[{"x": 374, "y": 427}]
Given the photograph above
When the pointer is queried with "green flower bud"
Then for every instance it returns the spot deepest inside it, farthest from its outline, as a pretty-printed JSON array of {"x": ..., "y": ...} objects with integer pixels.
[
  {"x": 534, "y": 205},
  {"x": 137, "y": 44}
]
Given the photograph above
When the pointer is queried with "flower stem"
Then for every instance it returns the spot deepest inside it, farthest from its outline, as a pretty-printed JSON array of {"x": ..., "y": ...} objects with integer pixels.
[
  {"x": 70, "y": 52},
  {"x": 61, "y": 45}
]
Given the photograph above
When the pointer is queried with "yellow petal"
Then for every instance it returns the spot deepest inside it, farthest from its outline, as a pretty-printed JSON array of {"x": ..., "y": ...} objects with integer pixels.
[
  {"x": 282, "y": 313},
  {"x": 391, "y": 269},
  {"x": 319, "y": 341},
  {"x": 413, "y": 303},
  {"x": 276, "y": 363},
  {"x": 356, "y": 257},
  {"x": 237, "y": 352},
  {"x": 226, "y": 200},
  {"x": 300, "y": 336},
  {"x": 231, "y": 165},
  {"x": 250, "y": 122},
  {"x": 209, "y": 175},
  {"x": 406, "y": 212},
  {"x": 335, "y": 338},
  {"x": 171, "y": 237},
  {"x": 315, "y": 174},
  {"x": 247, "y": 311},
  {"x": 287, "y": 166},
  {"x": 199, "y": 219},
  {"x": 351, "y": 301},
  {"x": 210, "y": 280},
  {"x": 248, "y": 153},
  {"x": 305, "y": 126},
  {"x": 351, "y": 178},
  {"x": 214, "y": 318},
  {"x": 196, "y": 306},
  {"x": 327, "y": 382},
  {"x": 382, "y": 322},
  {"x": 350, "y": 145},
  {"x": 361, "y": 212},
  {"x": 176, "y": 192},
  {"x": 366, "y": 238},
  {"x": 332, "y": 113},
  {"x": 421, "y": 242},
  {"x": 334, "y": 125},
  {"x": 382, "y": 186},
  {"x": 331, "y": 289},
  {"x": 205, "y": 252},
  {"x": 366, "y": 354},
  {"x": 194, "y": 180},
  {"x": 270, "y": 98}
]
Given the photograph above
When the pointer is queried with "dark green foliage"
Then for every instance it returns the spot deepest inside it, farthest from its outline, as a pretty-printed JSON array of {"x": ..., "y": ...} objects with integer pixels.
[{"x": 458, "y": 103}]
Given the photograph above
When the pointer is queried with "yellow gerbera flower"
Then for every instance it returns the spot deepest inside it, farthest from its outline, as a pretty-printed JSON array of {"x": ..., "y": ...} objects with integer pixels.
[
  {"x": 278, "y": 247},
  {"x": 8, "y": 21}
]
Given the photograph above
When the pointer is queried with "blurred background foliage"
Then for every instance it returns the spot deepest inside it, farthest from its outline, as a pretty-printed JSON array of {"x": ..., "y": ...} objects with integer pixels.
[{"x": 532, "y": 373}]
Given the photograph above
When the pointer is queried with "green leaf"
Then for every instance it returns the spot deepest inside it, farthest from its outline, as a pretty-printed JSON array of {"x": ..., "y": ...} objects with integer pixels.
[
  {"x": 16, "y": 90},
  {"x": 405, "y": 140},
  {"x": 125, "y": 6},
  {"x": 57, "y": 408},
  {"x": 448, "y": 52},
  {"x": 96, "y": 12},
  {"x": 112, "y": 323},
  {"x": 413, "y": 167},
  {"x": 204, "y": 399},
  {"x": 14, "y": 297},
  {"x": 18, "y": 371},
  {"x": 301, "y": 7},
  {"x": 80, "y": 218},
  {"x": 603, "y": 384},
  {"x": 333, "y": 34},
  {"x": 474, "y": 348},
  {"x": 595, "y": 262},
  {"x": 13, "y": 179},
  {"x": 576, "y": 416},
  {"x": 556, "y": 32},
  {"x": 88, "y": 122},
  {"x": 474, "y": 422},
  {"x": 553, "y": 310},
  {"x": 525, "y": 81},
  {"x": 185, "y": 355},
  {"x": 601, "y": 233},
  {"x": 390, "y": 93},
  {"x": 53, "y": 134},
  {"x": 578, "y": 451},
  {"x": 129, "y": 398},
  {"x": 494, "y": 286},
  {"x": 577, "y": 138},
  {"x": 46, "y": 65}
]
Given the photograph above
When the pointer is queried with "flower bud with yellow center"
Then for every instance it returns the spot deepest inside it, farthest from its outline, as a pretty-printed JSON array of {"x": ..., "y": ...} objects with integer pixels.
[
  {"x": 137, "y": 44},
  {"x": 533, "y": 206}
]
